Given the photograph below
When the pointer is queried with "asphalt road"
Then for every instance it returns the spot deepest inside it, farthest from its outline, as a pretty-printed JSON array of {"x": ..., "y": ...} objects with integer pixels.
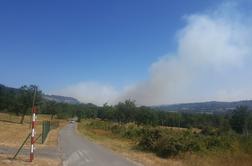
[{"x": 79, "y": 151}]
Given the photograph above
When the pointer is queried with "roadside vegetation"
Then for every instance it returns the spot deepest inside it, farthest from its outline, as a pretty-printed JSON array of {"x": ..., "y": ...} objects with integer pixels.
[
  {"x": 217, "y": 137},
  {"x": 151, "y": 136},
  {"x": 128, "y": 140}
]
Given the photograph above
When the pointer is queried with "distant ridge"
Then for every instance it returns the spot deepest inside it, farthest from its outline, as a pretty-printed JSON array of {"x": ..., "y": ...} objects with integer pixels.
[
  {"x": 56, "y": 98},
  {"x": 61, "y": 99},
  {"x": 8, "y": 88},
  {"x": 211, "y": 106}
]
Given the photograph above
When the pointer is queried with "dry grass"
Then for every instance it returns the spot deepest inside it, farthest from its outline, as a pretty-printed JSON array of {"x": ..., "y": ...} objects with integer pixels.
[
  {"x": 180, "y": 129},
  {"x": 12, "y": 118},
  {"x": 219, "y": 159},
  {"x": 13, "y": 133},
  {"x": 126, "y": 148},
  {"x": 23, "y": 161}
]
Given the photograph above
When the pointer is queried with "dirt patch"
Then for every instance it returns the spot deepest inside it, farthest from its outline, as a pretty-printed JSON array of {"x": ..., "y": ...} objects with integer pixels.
[{"x": 5, "y": 160}]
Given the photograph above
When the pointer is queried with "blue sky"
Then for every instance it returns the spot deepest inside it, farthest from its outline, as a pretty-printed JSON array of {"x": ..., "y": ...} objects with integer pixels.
[
  {"x": 57, "y": 43},
  {"x": 119, "y": 47}
]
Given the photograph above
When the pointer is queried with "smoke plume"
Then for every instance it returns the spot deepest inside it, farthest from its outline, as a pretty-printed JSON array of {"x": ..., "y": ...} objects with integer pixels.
[{"x": 212, "y": 61}]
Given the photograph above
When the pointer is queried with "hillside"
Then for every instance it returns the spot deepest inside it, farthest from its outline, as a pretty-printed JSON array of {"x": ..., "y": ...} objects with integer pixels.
[
  {"x": 61, "y": 99},
  {"x": 212, "y": 106},
  {"x": 4, "y": 90}
]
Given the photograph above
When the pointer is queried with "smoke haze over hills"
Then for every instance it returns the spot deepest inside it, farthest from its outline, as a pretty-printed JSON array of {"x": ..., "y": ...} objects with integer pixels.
[{"x": 212, "y": 61}]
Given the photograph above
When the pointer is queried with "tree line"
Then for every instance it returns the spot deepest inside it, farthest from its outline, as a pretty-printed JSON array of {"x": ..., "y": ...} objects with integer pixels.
[
  {"x": 238, "y": 120},
  {"x": 19, "y": 101}
]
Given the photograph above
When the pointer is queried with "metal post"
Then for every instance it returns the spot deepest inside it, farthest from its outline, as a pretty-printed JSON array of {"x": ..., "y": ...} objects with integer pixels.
[{"x": 33, "y": 133}]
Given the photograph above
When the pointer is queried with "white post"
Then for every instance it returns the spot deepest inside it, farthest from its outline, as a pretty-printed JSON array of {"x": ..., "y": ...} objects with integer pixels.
[{"x": 33, "y": 133}]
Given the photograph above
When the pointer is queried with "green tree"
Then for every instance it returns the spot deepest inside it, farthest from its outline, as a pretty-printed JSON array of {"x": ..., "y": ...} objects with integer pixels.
[
  {"x": 79, "y": 115},
  {"x": 239, "y": 120},
  {"x": 89, "y": 110},
  {"x": 25, "y": 99},
  {"x": 106, "y": 112},
  {"x": 52, "y": 108},
  {"x": 125, "y": 112},
  {"x": 146, "y": 116}
]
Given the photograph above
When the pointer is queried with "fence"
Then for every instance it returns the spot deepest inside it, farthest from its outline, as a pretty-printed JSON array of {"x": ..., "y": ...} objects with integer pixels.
[{"x": 46, "y": 127}]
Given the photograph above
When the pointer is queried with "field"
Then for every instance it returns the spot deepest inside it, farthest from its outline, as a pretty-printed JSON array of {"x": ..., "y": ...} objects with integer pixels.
[
  {"x": 9, "y": 124},
  {"x": 13, "y": 134},
  {"x": 127, "y": 147}
]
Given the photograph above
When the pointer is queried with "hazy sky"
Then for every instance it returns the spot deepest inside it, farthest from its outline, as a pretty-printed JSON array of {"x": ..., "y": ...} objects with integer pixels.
[{"x": 151, "y": 51}]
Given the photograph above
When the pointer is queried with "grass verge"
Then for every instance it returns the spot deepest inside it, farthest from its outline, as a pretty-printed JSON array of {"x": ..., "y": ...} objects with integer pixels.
[{"x": 126, "y": 147}]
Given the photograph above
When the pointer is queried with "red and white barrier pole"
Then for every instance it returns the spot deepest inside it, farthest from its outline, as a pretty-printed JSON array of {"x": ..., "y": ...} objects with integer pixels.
[{"x": 33, "y": 133}]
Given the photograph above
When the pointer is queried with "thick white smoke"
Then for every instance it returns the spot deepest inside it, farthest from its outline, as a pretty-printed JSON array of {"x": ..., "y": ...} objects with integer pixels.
[{"x": 212, "y": 62}]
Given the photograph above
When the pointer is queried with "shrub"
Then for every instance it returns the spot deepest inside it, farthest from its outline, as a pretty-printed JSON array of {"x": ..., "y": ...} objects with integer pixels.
[
  {"x": 149, "y": 137},
  {"x": 167, "y": 142},
  {"x": 208, "y": 131},
  {"x": 172, "y": 143},
  {"x": 246, "y": 144},
  {"x": 132, "y": 131},
  {"x": 168, "y": 145},
  {"x": 116, "y": 129},
  {"x": 98, "y": 124}
]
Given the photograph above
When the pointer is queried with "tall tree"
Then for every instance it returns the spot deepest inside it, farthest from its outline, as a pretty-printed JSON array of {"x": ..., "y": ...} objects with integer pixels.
[
  {"x": 79, "y": 115},
  {"x": 52, "y": 108},
  {"x": 146, "y": 116},
  {"x": 25, "y": 98},
  {"x": 125, "y": 112},
  {"x": 239, "y": 120}
]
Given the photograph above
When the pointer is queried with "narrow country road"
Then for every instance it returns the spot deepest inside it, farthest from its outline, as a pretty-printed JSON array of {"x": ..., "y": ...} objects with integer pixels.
[{"x": 79, "y": 151}]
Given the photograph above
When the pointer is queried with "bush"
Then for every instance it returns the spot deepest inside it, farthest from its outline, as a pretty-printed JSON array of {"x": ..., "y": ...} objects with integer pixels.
[
  {"x": 246, "y": 144},
  {"x": 132, "y": 131},
  {"x": 208, "y": 131},
  {"x": 116, "y": 129},
  {"x": 173, "y": 142},
  {"x": 149, "y": 137},
  {"x": 98, "y": 124},
  {"x": 167, "y": 143}
]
